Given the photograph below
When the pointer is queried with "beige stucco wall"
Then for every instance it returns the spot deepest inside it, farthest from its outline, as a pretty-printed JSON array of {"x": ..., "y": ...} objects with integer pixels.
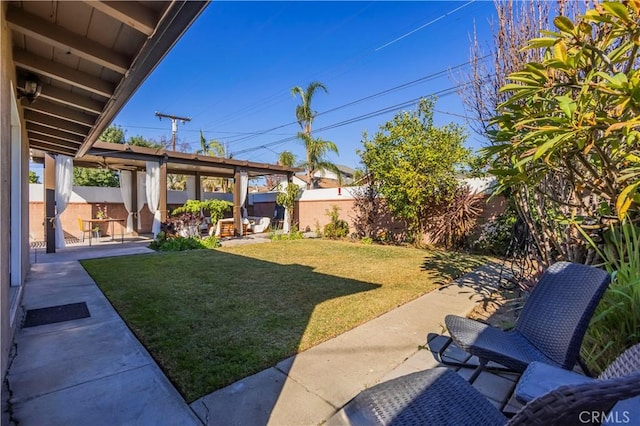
[
  {"x": 10, "y": 296},
  {"x": 5, "y": 162}
]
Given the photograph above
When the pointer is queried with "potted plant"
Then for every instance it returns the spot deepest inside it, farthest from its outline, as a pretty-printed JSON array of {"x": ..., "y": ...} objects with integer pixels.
[
  {"x": 96, "y": 231},
  {"x": 100, "y": 214}
]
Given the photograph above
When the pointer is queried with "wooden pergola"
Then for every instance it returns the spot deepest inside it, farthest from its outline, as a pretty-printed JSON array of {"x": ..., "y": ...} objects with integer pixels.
[{"x": 134, "y": 158}]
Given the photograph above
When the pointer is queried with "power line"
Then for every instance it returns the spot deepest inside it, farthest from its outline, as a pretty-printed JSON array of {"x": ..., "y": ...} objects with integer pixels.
[
  {"x": 277, "y": 97},
  {"x": 441, "y": 93},
  {"x": 384, "y": 92},
  {"x": 425, "y": 25}
]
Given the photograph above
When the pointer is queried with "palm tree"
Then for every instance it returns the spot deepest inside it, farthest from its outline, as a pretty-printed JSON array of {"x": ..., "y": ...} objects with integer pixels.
[
  {"x": 213, "y": 148},
  {"x": 315, "y": 148},
  {"x": 287, "y": 159}
]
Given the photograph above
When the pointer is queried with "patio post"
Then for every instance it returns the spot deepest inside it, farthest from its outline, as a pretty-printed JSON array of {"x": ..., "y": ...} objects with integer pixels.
[
  {"x": 134, "y": 200},
  {"x": 163, "y": 190},
  {"x": 198, "y": 186},
  {"x": 237, "y": 212},
  {"x": 49, "y": 201}
]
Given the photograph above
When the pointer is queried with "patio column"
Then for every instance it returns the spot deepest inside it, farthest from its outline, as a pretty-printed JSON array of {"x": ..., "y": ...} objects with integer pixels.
[
  {"x": 237, "y": 212},
  {"x": 134, "y": 200},
  {"x": 163, "y": 190},
  {"x": 198, "y": 186},
  {"x": 49, "y": 202}
]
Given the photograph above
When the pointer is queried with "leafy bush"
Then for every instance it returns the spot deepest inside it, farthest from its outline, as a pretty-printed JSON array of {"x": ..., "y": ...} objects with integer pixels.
[
  {"x": 458, "y": 218},
  {"x": 495, "y": 236},
  {"x": 216, "y": 208},
  {"x": 366, "y": 240},
  {"x": 337, "y": 228},
  {"x": 210, "y": 242},
  {"x": 163, "y": 243},
  {"x": 294, "y": 234},
  {"x": 616, "y": 323}
]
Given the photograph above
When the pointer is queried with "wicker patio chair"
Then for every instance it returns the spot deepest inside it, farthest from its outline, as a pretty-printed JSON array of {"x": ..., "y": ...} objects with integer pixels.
[
  {"x": 440, "y": 396},
  {"x": 550, "y": 328},
  {"x": 540, "y": 379}
]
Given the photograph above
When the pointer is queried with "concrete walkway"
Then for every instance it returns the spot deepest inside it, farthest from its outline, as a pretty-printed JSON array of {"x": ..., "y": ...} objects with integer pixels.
[{"x": 94, "y": 371}]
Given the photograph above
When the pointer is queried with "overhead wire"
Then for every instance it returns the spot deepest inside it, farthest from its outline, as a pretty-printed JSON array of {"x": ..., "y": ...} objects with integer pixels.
[
  {"x": 365, "y": 98},
  {"x": 382, "y": 111},
  {"x": 272, "y": 99}
]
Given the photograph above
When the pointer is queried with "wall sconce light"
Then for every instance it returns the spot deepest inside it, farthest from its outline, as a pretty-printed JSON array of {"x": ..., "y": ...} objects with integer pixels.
[{"x": 31, "y": 89}]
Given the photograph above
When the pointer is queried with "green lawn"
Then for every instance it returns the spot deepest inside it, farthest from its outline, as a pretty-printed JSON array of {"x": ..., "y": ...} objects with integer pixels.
[{"x": 211, "y": 317}]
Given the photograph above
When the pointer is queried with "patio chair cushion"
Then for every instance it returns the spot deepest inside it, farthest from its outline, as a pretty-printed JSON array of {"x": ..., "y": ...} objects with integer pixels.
[
  {"x": 509, "y": 348},
  {"x": 552, "y": 323},
  {"x": 539, "y": 379}
]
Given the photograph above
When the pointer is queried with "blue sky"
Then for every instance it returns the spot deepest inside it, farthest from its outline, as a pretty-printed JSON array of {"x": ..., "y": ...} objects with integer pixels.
[{"x": 233, "y": 70}]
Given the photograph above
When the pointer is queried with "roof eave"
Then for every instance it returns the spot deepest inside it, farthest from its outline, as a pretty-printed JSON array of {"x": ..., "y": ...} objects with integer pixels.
[{"x": 178, "y": 17}]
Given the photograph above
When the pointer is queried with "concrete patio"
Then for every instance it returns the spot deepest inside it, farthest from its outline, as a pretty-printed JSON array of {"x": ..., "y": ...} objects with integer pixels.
[{"x": 94, "y": 371}]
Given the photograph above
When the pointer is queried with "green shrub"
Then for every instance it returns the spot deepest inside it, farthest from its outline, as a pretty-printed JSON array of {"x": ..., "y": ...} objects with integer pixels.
[
  {"x": 216, "y": 208},
  {"x": 210, "y": 242},
  {"x": 366, "y": 240},
  {"x": 163, "y": 243},
  {"x": 294, "y": 234},
  {"x": 337, "y": 228},
  {"x": 616, "y": 323},
  {"x": 495, "y": 236}
]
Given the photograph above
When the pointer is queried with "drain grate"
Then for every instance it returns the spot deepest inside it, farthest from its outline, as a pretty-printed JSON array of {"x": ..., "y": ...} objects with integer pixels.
[{"x": 54, "y": 314}]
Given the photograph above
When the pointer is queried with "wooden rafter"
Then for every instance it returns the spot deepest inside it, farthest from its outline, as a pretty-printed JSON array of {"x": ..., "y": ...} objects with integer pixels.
[
  {"x": 41, "y": 66},
  {"x": 45, "y": 31},
  {"x": 130, "y": 13}
]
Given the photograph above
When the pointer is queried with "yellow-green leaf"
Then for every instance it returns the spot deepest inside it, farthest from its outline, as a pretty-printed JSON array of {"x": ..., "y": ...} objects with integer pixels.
[
  {"x": 567, "y": 105},
  {"x": 563, "y": 24},
  {"x": 625, "y": 199},
  {"x": 536, "y": 43},
  {"x": 617, "y": 9},
  {"x": 560, "y": 51}
]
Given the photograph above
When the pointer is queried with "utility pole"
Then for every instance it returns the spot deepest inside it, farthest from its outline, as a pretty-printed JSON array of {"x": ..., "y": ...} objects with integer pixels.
[{"x": 174, "y": 125}]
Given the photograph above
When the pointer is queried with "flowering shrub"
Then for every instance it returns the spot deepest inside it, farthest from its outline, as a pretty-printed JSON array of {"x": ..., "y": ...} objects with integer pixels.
[{"x": 495, "y": 236}]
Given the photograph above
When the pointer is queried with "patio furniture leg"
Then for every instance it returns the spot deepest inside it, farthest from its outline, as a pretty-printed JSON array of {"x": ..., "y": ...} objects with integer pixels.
[
  {"x": 482, "y": 366},
  {"x": 482, "y": 363}
]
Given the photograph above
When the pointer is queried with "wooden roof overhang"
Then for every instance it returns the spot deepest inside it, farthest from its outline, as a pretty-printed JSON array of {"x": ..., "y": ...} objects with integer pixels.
[
  {"x": 88, "y": 58},
  {"x": 128, "y": 157}
]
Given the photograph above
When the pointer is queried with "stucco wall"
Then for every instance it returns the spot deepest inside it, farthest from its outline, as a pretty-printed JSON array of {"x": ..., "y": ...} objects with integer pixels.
[
  {"x": 10, "y": 296},
  {"x": 84, "y": 204},
  {"x": 5, "y": 163}
]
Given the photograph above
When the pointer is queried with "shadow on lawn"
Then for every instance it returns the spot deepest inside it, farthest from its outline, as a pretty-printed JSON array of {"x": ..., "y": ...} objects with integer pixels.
[
  {"x": 210, "y": 318},
  {"x": 450, "y": 265}
]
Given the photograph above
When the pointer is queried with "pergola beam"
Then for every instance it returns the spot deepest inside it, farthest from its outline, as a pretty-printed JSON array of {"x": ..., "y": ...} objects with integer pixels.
[
  {"x": 62, "y": 73},
  {"x": 54, "y": 35},
  {"x": 129, "y": 13}
]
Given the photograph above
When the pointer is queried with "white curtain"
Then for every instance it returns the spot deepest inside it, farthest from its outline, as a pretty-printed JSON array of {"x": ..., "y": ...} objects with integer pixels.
[
  {"x": 142, "y": 197},
  {"x": 64, "y": 187},
  {"x": 244, "y": 184},
  {"x": 153, "y": 194},
  {"x": 191, "y": 187},
  {"x": 125, "y": 191}
]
